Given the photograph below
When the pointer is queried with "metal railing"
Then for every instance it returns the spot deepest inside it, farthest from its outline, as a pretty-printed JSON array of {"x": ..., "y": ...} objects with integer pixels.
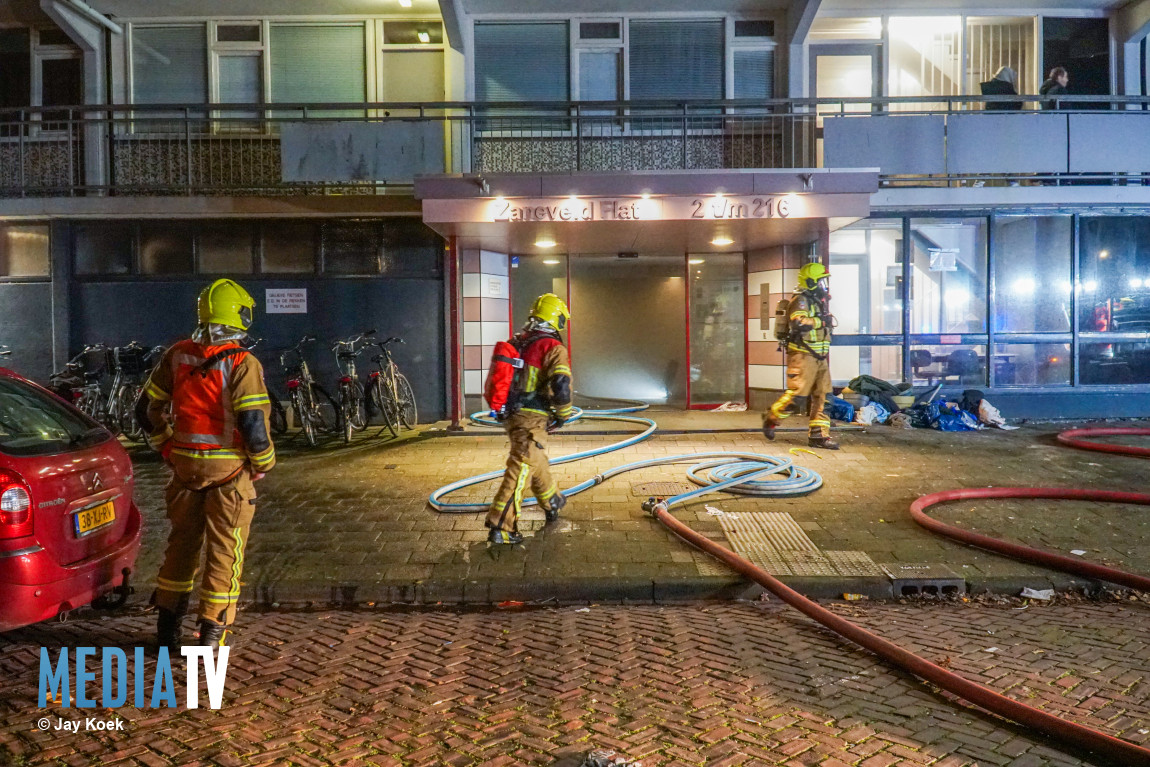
[{"x": 291, "y": 149}]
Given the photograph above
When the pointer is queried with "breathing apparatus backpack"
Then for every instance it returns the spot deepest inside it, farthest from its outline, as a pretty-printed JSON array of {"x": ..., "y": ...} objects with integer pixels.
[
  {"x": 502, "y": 388},
  {"x": 783, "y": 320}
]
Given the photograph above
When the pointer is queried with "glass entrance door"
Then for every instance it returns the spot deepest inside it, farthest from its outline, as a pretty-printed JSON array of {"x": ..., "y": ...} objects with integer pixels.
[{"x": 718, "y": 327}]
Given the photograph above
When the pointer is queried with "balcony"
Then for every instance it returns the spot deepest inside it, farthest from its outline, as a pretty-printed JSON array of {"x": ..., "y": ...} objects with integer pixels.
[{"x": 324, "y": 149}]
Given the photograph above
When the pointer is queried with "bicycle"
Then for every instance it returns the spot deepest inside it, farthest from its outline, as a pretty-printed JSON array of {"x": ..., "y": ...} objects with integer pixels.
[
  {"x": 352, "y": 406},
  {"x": 391, "y": 393},
  {"x": 307, "y": 398},
  {"x": 131, "y": 365},
  {"x": 79, "y": 382}
]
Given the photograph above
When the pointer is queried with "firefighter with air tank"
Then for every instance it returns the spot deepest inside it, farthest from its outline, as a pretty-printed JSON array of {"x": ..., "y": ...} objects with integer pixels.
[
  {"x": 529, "y": 390},
  {"x": 804, "y": 324},
  {"x": 206, "y": 410}
]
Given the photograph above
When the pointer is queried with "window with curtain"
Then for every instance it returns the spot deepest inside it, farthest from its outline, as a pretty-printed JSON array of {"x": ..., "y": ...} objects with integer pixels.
[
  {"x": 676, "y": 59},
  {"x": 169, "y": 65},
  {"x": 522, "y": 62},
  {"x": 318, "y": 63},
  {"x": 754, "y": 73}
]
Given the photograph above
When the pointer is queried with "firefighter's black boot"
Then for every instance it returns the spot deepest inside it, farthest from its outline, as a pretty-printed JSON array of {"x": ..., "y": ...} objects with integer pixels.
[
  {"x": 496, "y": 535},
  {"x": 553, "y": 506},
  {"x": 823, "y": 443},
  {"x": 168, "y": 629},
  {"x": 213, "y": 634},
  {"x": 769, "y": 425}
]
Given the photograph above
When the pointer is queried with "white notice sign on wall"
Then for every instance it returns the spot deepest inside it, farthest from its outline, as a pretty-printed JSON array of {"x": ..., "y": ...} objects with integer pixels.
[{"x": 286, "y": 300}]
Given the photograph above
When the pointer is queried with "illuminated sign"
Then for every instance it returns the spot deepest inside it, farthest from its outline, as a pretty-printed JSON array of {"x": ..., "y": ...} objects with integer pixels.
[{"x": 631, "y": 209}]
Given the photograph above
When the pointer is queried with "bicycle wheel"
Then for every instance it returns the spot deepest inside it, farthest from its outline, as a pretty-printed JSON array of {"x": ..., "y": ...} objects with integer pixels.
[
  {"x": 406, "y": 396},
  {"x": 357, "y": 406},
  {"x": 303, "y": 415},
  {"x": 347, "y": 407},
  {"x": 125, "y": 409},
  {"x": 328, "y": 415},
  {"x": 278, "y": 418},
  {"x": 385, "y": 406}
]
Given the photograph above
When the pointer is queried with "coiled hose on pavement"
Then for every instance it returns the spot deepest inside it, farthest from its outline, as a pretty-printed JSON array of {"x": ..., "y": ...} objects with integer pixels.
[{"x": 745, "y": 472}]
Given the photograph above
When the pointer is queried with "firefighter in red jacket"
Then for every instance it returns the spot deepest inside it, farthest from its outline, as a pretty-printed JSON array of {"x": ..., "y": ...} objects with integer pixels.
[
  {"x": 206, "y": 409},
  {"x": 543, "y": 402}
]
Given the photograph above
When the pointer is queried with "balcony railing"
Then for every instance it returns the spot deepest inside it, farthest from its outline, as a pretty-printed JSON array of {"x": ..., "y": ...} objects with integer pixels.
[{"x": 300, "y": 149}]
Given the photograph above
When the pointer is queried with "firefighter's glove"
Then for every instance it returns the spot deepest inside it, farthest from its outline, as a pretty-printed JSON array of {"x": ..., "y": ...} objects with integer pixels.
[{"x": 555, "y": 424}]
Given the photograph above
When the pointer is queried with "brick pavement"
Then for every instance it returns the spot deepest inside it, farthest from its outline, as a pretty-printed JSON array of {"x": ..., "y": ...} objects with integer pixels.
[
  {"x": 343, "y": 525},
  {"x": 720, "y": 684}
]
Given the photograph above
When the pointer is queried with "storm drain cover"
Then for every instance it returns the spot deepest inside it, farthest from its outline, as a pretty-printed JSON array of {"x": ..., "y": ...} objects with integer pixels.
[
  {"x": 659, "y": 489},
  {"x": 913, "y": 578},
  {"x": 775, "y": 542}
]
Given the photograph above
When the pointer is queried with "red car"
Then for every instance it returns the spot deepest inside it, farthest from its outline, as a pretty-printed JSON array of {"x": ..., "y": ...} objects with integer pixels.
[{"x": 69, "y": 529}]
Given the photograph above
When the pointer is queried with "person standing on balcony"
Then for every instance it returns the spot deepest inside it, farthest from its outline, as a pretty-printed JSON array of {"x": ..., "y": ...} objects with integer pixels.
[
  {"x": 1054, "y": 87},
  {"x": 1004, "y": 83},
  {"x": 808, "y": 340}
]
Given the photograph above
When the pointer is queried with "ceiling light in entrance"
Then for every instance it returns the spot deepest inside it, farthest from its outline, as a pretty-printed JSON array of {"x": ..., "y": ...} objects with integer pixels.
[
  {"x": 551, "y": 261},
  {"x": 696, "y": 261},
  {"x": 722, "y": 241},
  {"x": 545, "y": 242},
  {"x": 423, "y": 36},
  {"x": 405, "y": 3}
]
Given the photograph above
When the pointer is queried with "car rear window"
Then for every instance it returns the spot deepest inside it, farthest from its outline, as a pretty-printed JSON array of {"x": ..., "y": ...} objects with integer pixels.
[{"x": 35, "y": 423}]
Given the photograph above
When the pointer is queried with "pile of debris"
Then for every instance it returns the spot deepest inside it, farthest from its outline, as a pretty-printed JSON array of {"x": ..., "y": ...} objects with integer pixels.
[{"x": 868, "y": 400}]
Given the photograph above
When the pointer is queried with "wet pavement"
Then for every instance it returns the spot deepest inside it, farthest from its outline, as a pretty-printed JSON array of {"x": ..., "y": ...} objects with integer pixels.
[{"x": 351, "y": 525}]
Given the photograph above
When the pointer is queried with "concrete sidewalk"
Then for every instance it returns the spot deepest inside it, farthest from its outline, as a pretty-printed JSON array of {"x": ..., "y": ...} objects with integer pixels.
[{"x": 351, "y": 525}]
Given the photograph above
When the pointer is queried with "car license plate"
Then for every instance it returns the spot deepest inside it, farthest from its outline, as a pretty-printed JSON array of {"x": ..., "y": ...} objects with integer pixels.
[{"x": 95, "y": 517}]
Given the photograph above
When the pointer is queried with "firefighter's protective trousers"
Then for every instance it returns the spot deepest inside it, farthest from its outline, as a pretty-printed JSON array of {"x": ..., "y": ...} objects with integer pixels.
[
  {"x": 807, "y": 377},
  {"x": 221, "y": 517},
  {"x": 526, "y": 466}
]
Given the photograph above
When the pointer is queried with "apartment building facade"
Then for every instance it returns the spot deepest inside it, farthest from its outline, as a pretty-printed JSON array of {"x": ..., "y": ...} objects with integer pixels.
[{"x": 426, "y": 168}]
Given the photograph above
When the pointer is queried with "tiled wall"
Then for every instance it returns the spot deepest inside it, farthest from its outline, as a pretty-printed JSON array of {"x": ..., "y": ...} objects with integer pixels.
[{"x": 486, "y": 313}]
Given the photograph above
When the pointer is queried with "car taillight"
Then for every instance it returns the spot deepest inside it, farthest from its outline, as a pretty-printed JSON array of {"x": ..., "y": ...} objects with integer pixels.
[
  {"x": 293, "y": 384},
  {"x": 15, "y": 506}
]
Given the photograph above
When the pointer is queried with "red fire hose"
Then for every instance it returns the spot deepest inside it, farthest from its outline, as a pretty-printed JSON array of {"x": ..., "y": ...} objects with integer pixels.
[
  {"x": 1122, "y": 752},
  {"x": 1077, "y": 438}
]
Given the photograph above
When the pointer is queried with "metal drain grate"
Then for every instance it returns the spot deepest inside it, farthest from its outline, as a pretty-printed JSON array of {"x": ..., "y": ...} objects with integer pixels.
[
  {"x": 914, "y": 578},
  {"x": 659, "y": 489},
  {"x": 776, "y": 542}
]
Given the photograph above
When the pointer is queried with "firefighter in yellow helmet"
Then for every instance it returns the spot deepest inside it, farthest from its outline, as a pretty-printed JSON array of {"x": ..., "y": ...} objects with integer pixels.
[
  {"x": 206, "y": 410},
  {"x": 540, "y": 402},
  {"x": 808, "y": 342}
]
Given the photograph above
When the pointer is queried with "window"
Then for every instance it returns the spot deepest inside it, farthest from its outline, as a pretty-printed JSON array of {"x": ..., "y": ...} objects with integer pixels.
[
  {"x": 754, "y": 73},
  {"x": 238, "y": 33},
  {"x": 1032, "y": 364},
  {"x": 240, "y": 77},
  {"x": 103, "y": 248},
  {"x": 24, "y": 250},
  {"x": 868, "y": 255},
  {"x": 995, "y": 42},
  {"x": 949, "y": 365},
  {"x": 351, "y": 247},
  {"x": 320, "y": 63},
  {"x": 412, "y": 76},
  {"x": 1114, "y": 276},
  {"x": 925, "y": 57},
  {"x": 948, "y": 283},
  {"x": 165, "y": 248},
  {"x": 16, "y": 64},
  {"x": 34, "y": 423},
  {"x": 225, "y": 249},
  {"x": 676, "y": 59},
  {"x": 410, "y": 249},
  {"x": 61, "y": 85},
  {"x": 288, "y": 248},
  {"x": 413, "y": 33},
  {"x": 503, "y": 50},
  {"x": 755, "y": 28},
  {"x": 599, "y": 76},
  {"x": 600, "y": 30},
  {"x": 1032, "y": 274},
  {"x": 169, "y": 65}
]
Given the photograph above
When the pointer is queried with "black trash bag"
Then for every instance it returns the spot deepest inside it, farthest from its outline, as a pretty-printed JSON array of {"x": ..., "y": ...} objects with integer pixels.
[
  {"x": 923, "y": 416},
  {"x": 971, "y": 399}
]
